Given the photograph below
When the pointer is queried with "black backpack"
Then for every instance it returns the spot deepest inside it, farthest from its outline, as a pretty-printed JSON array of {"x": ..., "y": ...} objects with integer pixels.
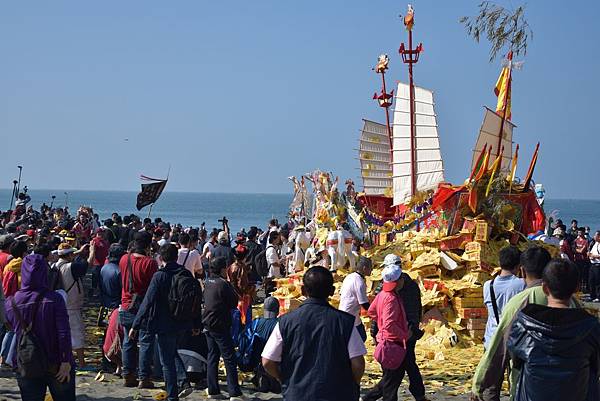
[
  {"x": 32, "y": 361},
  {"x": 185, "y": 296},
  {"x": 54, "y": 278},
  {"x": 260, "y": 262}
]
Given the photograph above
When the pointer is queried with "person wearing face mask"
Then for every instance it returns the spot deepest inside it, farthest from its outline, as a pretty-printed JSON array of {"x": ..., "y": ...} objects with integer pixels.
[{"x": 388, "y": 311}]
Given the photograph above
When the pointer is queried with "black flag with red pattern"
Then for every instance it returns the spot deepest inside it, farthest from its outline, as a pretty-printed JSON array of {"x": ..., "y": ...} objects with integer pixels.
[{"x": 150, "y": 193}]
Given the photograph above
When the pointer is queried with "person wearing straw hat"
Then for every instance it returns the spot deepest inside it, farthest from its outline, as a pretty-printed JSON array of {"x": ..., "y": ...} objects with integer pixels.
[{"x": 72, "y": 271}]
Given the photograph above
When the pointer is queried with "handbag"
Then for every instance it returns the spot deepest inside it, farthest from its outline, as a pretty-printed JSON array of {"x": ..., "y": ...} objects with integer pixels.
[{"x": 390, "y": 354}]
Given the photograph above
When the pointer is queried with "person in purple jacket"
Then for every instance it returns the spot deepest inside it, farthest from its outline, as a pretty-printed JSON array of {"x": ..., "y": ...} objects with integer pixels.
[{"x": 50, "y": 326}]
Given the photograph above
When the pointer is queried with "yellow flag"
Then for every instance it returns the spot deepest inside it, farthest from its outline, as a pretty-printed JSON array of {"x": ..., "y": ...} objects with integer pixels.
[
  {"x": 494, "y": 168},
  {"x": 502, "y": 89},
  {"x": 513, "y": 169}
]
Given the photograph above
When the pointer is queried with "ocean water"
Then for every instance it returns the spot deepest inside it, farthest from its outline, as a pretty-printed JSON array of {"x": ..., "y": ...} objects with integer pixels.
[
  {"x": 189, "y": 209},
  {"x": 242, "y": 210}
]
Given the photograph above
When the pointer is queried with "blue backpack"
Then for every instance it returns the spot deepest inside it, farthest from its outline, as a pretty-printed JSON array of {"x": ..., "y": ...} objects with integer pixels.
[{"x": 252, "y": 343}]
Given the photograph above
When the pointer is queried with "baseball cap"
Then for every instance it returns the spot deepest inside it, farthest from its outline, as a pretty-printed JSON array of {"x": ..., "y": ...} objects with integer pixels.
[
  {"x": 391, "y": 273},
  {"x": 222, "y": 236},
  {"x": 391, "y": 259},
  {"x": 271, "y": 307},
  {"x": 65, "y": 249}
]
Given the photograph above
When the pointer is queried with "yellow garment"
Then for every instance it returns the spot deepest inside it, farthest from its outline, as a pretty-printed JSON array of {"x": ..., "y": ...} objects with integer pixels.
[
  {"x": 502, "y": 90},
  {"x": 15, "y": 266}
]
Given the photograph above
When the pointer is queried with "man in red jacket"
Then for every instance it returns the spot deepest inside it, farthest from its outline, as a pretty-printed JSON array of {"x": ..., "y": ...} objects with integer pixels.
[{"x": 137, "y": 269}]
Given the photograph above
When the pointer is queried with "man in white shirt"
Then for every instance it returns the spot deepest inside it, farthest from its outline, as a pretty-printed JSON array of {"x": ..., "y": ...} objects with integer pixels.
[
  {"x": 189, "y": 257},
  {"x": 353, "y": 294},
  {"x": 316, "y": 338},
  {"x": 594, "y": 279},
  {"x": 273, "y": 261}
]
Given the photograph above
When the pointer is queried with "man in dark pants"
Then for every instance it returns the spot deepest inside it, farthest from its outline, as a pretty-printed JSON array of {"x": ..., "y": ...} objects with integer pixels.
[
  {"x": 219, "y": 300},
  {"x": 154, "y": 314},
  {"x": 411, "y": 297}
]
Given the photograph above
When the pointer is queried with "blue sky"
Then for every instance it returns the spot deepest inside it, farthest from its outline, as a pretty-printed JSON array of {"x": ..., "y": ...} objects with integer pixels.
[{"x": 238, "y": 95}]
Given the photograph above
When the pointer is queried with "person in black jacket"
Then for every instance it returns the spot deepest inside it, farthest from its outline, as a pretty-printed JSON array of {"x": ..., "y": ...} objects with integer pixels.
[
  {"x": 411, "y": 298},
  {"x": 219, "y": 301},
  {"x": 556, "y": 348},
  {"x": 155, "y": 316}
]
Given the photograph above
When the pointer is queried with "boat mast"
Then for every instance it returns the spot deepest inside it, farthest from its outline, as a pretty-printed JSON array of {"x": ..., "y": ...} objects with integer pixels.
[
  {"x": 385, "y": 100},
  {"x": 410, "y": 56}
]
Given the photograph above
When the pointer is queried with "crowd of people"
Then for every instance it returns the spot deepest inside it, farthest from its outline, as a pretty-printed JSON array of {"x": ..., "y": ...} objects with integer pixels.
[{"x": 174, "y": 301}]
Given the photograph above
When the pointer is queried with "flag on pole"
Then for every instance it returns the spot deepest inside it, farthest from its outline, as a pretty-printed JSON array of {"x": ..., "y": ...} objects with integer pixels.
[
  {"x": 150, "y": 192},
  {"x": 531, "y": 168},
  {"x": 503, "y": 90},
  {"x": 494, "y": 168},
  {"x": 513, "y": 169},
  {"x": 478, "y": 163},
  {"x": 484, "y": 165}
]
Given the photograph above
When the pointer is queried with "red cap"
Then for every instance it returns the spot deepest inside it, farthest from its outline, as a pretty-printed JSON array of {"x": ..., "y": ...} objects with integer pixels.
[{"x": 389, "y": 287}]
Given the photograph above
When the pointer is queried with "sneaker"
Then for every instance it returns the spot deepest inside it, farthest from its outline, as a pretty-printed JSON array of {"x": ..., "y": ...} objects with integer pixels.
[
  {"x": 146, "y": 383},
  {"x": 185, "y": 389},
  {"x": 238, "y": 398},
  {"x": 214, "y": 396},
  {"x": 596, "y": 300}
]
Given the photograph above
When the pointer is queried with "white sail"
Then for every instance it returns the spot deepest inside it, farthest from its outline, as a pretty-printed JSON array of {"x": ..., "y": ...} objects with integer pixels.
[
  {"x": 429, "y": 165},
  {"x": 488, "y": 134},
  {"x": 374, "y": 156}
]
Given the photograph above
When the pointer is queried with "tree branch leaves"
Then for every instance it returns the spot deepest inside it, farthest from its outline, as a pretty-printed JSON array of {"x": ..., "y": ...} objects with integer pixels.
[{"x": 501, "y": 27}]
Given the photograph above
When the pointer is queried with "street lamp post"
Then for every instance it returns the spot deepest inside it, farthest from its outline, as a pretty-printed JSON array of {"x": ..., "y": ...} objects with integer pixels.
[{"x": 19, "y": 182}]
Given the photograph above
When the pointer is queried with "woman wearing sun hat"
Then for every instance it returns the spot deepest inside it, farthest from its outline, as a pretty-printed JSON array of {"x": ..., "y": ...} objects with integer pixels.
[{"x": 387, "y": 310}]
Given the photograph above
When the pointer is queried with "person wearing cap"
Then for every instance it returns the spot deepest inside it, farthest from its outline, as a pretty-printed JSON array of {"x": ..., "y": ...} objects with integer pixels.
[
  {"x": 263, "y": 327},
  {"x": 110, "y": 277},
  {"x": 208, "y": 247},
  {"x": 137, "y": 269},
  {"x": 411, "y": 299},
  {"x": 72, "y": 270},
  {"x": 353, "y": 294},
  {"x": 388, "y": 310},
  {"x": 51, "y": 328},
  {"x": 223, "y": 248},
  {"x": 315, "y": 351}
]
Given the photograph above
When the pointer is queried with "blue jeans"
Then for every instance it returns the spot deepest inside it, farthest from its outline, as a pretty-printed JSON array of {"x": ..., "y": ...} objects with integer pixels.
[
  {"x": 172, "y": 365},
  {"x": 35, "y": 389},
  {"x": 146, "y": 343},
  {"x": 221, "y": 344},
  {"x": 6, "y": 343}
]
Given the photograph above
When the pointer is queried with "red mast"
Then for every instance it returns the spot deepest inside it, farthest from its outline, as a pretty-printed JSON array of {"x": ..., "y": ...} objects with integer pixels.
[
  {"x": 410, "y": 56},
  {"x": 385, "y": 100}
]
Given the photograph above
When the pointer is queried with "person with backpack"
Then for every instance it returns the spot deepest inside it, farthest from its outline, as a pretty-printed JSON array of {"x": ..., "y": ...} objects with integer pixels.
[
  {"x": 170, "y": 308},
  {"x": 498, "y": 291},
  {"x": 189, "y": 257},
  {"x": 43, "y": 358},
  {"x": 252, "y": 343},
  {"x": 72, "y": 270},
  {"x": 137, "y": 269},
  {"x": 254, "y": 249},
  {"x": 219, "y": 300}
]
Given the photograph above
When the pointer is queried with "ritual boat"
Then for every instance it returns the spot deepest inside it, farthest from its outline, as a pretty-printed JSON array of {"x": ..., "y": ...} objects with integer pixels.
[
  {"x": 401, "y": 158},
  {"x": 402, "y": 169}
]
